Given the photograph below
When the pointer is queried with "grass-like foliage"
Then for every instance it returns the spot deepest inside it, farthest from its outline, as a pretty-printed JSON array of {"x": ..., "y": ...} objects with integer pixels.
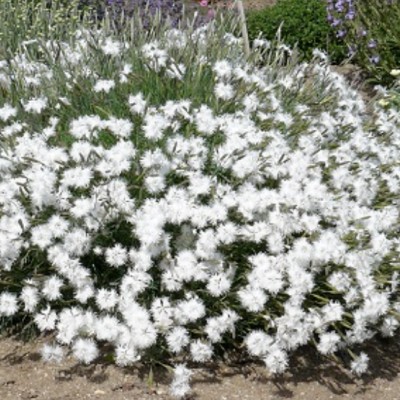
[{"x": 162, "y": 194}]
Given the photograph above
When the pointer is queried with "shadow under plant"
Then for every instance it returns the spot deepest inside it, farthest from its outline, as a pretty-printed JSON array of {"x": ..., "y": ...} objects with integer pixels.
[{"x": 22, "y": 371}]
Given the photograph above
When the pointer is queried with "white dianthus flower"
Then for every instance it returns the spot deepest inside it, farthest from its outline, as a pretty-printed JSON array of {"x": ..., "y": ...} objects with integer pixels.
[
  {"x": 177, "y": 339},
  {"x": 111, "y": 47},
  {"x": 252, "y": 298},
  {"x": 360, "y": 365},
  {"x": 30, "y": 297},
  {"x": 222, "y": 69},
  {"x": 328, "y": 343},
  {"x": 189, "y": 310},
  {"x": 104, "y": 85},
  {"x": 107, "y": 328},
  {"x": 219, "y": 284},
  {"x": 78, "y": 177},
  {"x": 35, "y": 106},
  {"x": 116, "y": 256},
  {"x": 180, "y": 384},
  {"x": 201, "y": 351},
  {"x": 8, "y": 304},
  {"x": 340, "y": 281},
  {"x": 106, "y": 299},
  {"x": 126, "y": 355},
  {"x": 137, "y": 104},
  {"x": 52, "y": 353},
  {"x": 85, "y": 350},
  {"x": 7, "y": 112},
  {"x": 224, "y": 91},
  {"x": 51, "y": 288},
  {"x": 333, "y": 311},
  {"x": 258, "y": 343},
  {"x": 77, "y": 242},
  {"x": 46, "y": 319},
  {"x": 276, "y": 360}
]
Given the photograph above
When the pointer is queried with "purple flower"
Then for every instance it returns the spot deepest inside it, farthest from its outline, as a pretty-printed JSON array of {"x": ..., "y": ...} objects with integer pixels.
[
  {"x": 341, "y": 33},
  {"x": 374, "y": 59},
  {"x": 350, "y": 15}
]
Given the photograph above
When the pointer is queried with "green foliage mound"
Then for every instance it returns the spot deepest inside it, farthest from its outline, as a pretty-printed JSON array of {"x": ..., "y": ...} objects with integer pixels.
[{"x": 303, "y": 23}]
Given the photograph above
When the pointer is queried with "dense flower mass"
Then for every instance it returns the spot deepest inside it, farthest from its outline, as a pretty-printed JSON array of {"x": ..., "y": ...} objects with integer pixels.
[{"x": 263, "y": 211}]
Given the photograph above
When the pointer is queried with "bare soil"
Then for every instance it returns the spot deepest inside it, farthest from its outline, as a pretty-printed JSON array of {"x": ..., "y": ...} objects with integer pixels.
[{"x": 23, "y": 375}]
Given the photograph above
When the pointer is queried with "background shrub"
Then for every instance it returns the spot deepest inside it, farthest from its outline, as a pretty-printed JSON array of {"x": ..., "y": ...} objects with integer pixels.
[{"x": 304, "y": 23}]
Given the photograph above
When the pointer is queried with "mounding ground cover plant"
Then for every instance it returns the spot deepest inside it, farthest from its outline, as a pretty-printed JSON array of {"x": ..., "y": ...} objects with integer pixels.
[{"x": 164, "y": 199}]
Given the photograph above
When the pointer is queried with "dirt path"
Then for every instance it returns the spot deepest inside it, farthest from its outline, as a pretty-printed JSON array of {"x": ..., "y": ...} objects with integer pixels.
[{"x": 23, "y": 375}]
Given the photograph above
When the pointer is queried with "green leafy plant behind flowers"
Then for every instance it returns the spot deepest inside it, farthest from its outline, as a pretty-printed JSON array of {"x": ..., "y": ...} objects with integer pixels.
[{"x": 303, "y": 23}]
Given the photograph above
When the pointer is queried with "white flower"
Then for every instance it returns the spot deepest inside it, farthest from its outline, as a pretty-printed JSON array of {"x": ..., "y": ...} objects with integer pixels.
[
  {"x": 107, "y": 328},
  {"x": 180, "y": 384},
  {"x": 258, "y": 343},
  {"x": 137, "y": 104},
  {"x": 104, "y": 85},
  {"x": 121, "y": 128},
  {"x": 389, "y": 326},
  {"x": 177, "y": 339},
  {"x": 78, "y": 177},
  {"x": 85, "y": 350},
  {"x": 328, "y": 343},
  {"x": 201, "y": 351},
  {"x": 222, "y": 69},
  {"x": 58, "y": 226},
  {"x": 53, "y": 353},
  {"x": 224, "y": 91},
  {"x": 340, "y": 281},
  {"x": 46, "y": 319},
  {"x": 35, "y": 106},
  {"x": 41, "y": 236},
  {"x": 51, "y": 288},
  {"x": 7, "y": 112},
  {"x": 154, "y": 126},
  {"x": 126, "y": 355},
  {"x": 331, "y": 312},
  {"x": 106, "y": 299},
  {"x": 205, "y": 121},
  {"x": 252, "y": 298},
  {"x": 8, "y": 304},
  {"x": 190, "y": 310},
  {"x": 111, "y": 47},
  {"x": 276, "y": 360},
  {"x": 360, "y": 365},
  {"x": 30, "y": 297},
  {"x": 77, "y": 242},
  {"x": 116, "y": 256}
]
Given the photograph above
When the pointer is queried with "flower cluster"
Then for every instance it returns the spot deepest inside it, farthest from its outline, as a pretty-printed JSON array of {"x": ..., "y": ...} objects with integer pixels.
[{"x": 264, "y": 211}]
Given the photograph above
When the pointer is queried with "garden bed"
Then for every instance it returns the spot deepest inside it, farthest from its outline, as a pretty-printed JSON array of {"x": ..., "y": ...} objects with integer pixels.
[{"x": 172, "y": 202}]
